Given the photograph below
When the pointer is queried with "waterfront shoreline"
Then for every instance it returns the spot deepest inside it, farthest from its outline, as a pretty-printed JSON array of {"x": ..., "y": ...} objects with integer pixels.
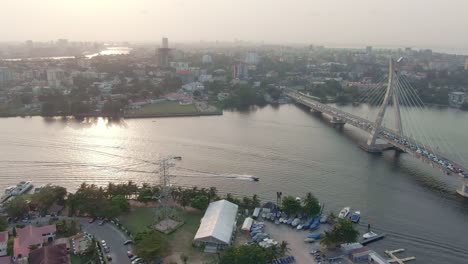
[{"x": 132, "y": 116}]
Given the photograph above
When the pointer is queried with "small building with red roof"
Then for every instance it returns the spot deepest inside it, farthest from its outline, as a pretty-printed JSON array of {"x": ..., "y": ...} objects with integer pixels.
[{"x": 32, "y": 236}]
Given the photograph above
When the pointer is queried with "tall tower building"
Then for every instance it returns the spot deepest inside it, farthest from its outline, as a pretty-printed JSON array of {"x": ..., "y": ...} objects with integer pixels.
[{"x": 163, "y": 53}]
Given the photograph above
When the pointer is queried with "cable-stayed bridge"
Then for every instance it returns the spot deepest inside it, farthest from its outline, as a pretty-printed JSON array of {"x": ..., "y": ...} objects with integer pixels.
[{"x": 410, "y": 139}]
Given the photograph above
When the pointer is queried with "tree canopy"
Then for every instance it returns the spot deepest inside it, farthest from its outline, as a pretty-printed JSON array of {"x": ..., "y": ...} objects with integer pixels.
[
  {"x": 150, "y": 245},
  {"x": 244, "y": 254},
  {"x": 290, "y": 205},
  {"x": 311, "y": 205},
  {"x": 46, "y": 197},
  {"x": 3, "y": 224},
  {"x": 17, "y": 207},
  {"x": 342, "y": 232}
]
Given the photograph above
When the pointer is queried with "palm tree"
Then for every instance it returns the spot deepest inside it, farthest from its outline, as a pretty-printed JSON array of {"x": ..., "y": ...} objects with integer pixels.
[
  {"x": 212, "y": 193},
  {"x": 284, "y": 248},
  {"x": 255, "y": 201}
]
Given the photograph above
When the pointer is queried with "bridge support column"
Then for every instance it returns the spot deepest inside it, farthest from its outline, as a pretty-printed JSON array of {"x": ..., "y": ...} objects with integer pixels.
[{"x": 463, "y": 191}]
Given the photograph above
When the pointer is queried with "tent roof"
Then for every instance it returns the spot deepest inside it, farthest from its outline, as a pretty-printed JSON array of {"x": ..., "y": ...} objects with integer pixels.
[{"x": 218, "y": 222}]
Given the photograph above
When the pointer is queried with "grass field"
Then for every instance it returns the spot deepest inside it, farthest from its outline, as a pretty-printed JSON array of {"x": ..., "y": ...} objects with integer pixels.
[
  {"x": 180, "y": 240},
  {"x": 163, "y": 109}
]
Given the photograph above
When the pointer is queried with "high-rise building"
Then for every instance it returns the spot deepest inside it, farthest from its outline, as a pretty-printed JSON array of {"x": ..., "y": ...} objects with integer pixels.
[
  {"x": 5, "y": 75},
  {"x": 251, "y": 58},
  {"x": 206, "y": 59},
  {"x": 240, "y": 71},
  {"x": 55, "y": 77},
  {"x": 163, "y": 53}
]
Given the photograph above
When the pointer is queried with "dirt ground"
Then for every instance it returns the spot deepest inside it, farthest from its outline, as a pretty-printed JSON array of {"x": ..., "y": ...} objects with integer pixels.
[{"x": 299, "y": 249}]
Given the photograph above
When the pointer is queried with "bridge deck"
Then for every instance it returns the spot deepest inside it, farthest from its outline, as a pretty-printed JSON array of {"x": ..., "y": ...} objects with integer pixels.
[{"x": 407, "y": 144}]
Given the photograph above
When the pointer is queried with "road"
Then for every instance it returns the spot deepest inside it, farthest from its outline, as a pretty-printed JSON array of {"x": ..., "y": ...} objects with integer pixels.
[{"x": 114, "y": 239}]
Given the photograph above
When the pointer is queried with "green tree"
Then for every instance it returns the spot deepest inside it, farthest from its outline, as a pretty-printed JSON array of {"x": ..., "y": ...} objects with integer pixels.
[
  {"x": 290, "y": 205},
  {"x": 284, "y": 248},
  {"x": 311, "y": 205},
  {"x": 342, "y": 232},
  {"x": 121, "y": 203},
  {"x": 47, "y": 196},
  {"x": 145, "y": 195},
  {"x": 200, "y": 202},
  {"x": 17, "y": 207},
  {"x": 10, "y": 244},
  {"x": 3, "y": 224},
  {"x": 243, "y": 255},
  {"x": 150, "y": 245}
]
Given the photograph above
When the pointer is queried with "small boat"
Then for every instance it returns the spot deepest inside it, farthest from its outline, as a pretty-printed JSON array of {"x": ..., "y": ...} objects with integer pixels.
[
  {"x": 255, "y": 178},
  {"x": 178, "y": 157},
  {"x": 344, "y": 212},
  {"x": 355, "y": 217},
  {"x": 295, "y": 222},
  {"x": 314, "y": 235},
  {"x": 323, "y": 219},
  {"x": 369, "y": 235}
]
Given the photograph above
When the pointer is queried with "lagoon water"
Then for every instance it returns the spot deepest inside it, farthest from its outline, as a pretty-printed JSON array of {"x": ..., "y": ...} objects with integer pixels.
[{"x": 288, "y": 148}]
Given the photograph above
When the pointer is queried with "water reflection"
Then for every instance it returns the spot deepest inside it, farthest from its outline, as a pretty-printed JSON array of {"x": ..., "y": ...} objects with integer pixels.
[{"x": 86, "y": 122}]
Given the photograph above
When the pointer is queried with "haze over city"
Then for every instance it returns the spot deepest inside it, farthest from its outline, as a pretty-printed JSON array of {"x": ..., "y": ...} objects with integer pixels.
[
  {"x": 233, "y": 131},
  {"x": 421, "y": 23}
]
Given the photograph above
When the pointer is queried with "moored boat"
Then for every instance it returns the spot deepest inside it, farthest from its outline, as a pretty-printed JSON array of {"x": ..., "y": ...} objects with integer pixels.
[
  {"x": 369, "y": 234},
  {"x": 344, "y": 212},
  {"x": 355, "y": 217}
]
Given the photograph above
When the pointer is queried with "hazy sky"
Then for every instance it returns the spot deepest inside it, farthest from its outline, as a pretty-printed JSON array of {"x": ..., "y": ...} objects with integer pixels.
[{"x": 377, "y": 22}]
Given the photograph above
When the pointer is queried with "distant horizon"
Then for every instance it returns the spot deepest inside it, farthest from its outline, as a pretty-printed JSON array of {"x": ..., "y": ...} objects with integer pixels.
[{"x": 457, "y": 50}]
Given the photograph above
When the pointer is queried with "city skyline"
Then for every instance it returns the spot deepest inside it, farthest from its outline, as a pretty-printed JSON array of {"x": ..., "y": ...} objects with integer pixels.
[{"x": 341, "y": 23}]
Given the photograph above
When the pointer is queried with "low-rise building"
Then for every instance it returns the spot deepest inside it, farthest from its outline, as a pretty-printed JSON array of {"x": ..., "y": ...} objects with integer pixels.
[
  {"x": 193, "y": 86},
  {"x": 56, "y": 254},
  {"x": 3, "y": 243},
  {"x": 456, "y": 99},
  {"x": 217, "y": 226},
  {"x": 31, "y": 236}
]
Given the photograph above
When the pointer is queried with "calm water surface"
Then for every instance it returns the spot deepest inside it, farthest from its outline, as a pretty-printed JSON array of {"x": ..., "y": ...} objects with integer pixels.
[{"x": 288, "y": 148}]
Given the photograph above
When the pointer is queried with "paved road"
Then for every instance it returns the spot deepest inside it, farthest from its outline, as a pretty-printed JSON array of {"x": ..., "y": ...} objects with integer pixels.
[{"x": 114, "y": 239}]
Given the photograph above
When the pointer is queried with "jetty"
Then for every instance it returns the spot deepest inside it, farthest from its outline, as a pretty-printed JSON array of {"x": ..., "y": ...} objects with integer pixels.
[{"x": 395, "y": 259}]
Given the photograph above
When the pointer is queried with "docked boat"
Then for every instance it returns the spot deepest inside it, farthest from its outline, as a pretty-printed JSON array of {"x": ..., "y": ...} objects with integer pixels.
[
  {"x": 324, "y": 219},
  {"x": 295, "y": 222},
  {"x": 21, "y": 188},
  {"x": 344, "y": 212},
  {"x": 355, "y": 217},
  {"x": 369, "y": 235}
]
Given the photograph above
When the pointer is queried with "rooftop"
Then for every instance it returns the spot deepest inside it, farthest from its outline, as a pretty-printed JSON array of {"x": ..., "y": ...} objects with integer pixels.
[{"x": 217, "y": 223}]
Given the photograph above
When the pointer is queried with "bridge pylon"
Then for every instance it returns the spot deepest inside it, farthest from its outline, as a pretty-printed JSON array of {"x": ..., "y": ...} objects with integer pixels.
[{"x": 391, "y": 92}]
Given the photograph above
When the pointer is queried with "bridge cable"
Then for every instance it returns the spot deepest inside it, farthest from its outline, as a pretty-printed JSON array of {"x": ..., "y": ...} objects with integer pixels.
[
  {"x": 450, "y": 149},
  {"x": 407, "y": 101}
]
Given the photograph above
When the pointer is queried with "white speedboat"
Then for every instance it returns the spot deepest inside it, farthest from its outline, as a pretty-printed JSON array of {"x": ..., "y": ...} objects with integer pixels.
[
  {"x": 369, "y": 235},
  {"x": 344, "y": 212}
]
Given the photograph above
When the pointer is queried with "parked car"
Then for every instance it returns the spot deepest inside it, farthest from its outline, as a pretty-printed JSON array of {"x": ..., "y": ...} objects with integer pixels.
[
  {"x": 128, "y": 242},
  {"x": 91, "y": 220}
]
